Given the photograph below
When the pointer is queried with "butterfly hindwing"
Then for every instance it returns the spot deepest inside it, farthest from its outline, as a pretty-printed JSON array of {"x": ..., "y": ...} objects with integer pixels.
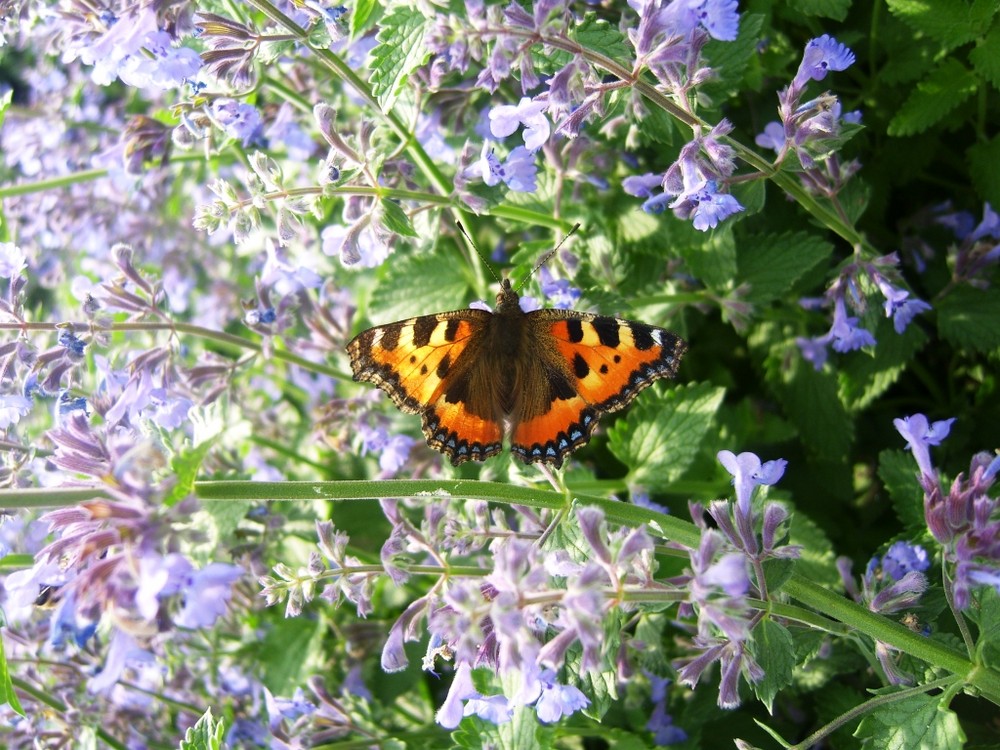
[
  {"x": 605, "y": 361},
  {"x": 420, "y": 363}
]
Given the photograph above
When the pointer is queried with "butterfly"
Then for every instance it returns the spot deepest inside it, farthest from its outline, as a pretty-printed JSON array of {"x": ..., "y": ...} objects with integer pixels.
[{"x": 542, "y": 379}]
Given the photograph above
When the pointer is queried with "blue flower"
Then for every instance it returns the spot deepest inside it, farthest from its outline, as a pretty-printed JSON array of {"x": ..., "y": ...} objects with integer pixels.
[
  {"x": 559, "y": 292},
  {"x": 207, "y": 595},
  {"x": 748, "y": 472},
  {"x": 902, "y": 557},
  {"x": 239, "y": 120},
  {"x": 822, "y": 55},
  {"x": 642, "y": 185},
  {"x": 518, "y": 172},
  {"x": 12, "y": 260},
  {"x": 557, "y": 700},
  {"x": 505, "y": 119},
  {"x": 847, "y": 335},
  {"x": 705, "y": 205},
  {"x": 920, "y": 435},
  {"x": 73, "y": 345}
]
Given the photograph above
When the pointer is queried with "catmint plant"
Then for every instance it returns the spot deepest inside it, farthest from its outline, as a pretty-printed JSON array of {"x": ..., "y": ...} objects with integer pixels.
[{"x": 212, "y": 536}]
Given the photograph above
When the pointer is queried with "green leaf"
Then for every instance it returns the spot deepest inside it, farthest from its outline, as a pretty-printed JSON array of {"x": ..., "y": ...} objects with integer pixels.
[
  {"x": 185, "y": 466},
  {"x": 520, "y": 731},
  {"x": 774, "y": 650},
  {"x": 710, "y": 256},
  {"x": 917, "y": 722},
  {"x": 207, "y": 734},
  {"x": 359, "y": 16},
  {"x": 898, "y": 472},
  {"x": 985, "y": 57},
  {"x": 817, "y": 560},
  {"x": 988, "y": 616},
  {"x": 418, "y": 285},
  {"x": 809, "y": 399},
  {"x": 771, "y": 264},
  {"x": 661, "y": 436},
  {"x": 863, "y": 379},
  {"x": 951, "y": 22},
  {"x": 284, "y": 652},
  {"x": 947, "y": 86},
  {"x": 394, "y": 218},
  {"x": 730, "y": 60},
  {"x": 982, "y": 158},
  {"x": 400, "y": 51},
  {"x": 7, "y": 695},
  {"x": 968, "y": 317},
  {"x": 5, "y": 99},
  {"x": 601, "y": 37},
  {"x": 835, "y": 9}
]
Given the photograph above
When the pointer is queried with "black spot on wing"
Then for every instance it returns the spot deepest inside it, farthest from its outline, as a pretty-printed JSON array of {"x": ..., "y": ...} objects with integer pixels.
[
  {"x": 642, "y": 335},
  {"x": 451, "y": 330},
  {"x": 575, "y": 330},
  {"x": 422, "y": 330},
  {"x": 443, "y": 366},
  {"x": 607, "y": 331},
  {"x": 580, "y": 367},
  {"x": 390, "y": 337}
]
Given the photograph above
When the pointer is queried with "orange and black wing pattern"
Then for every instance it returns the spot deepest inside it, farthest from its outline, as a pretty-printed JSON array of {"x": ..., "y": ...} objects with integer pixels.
[
  {"x": 420, "y": 362},
  {"x": 593, "y": 365}
]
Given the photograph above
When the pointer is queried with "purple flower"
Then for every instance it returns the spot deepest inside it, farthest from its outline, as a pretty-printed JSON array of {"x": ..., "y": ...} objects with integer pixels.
[
  {"x": 719, "y": 18},
  {"x": 450, "y": 714},
  {"x": 847, "y": 335},
  {"x": 207, "y": 595},
  {"x": 238, "y": 119},
  {"x": 773, "y": 137},
  {"x": 920, "y": 435},
  {"x": 559, "y": 292},
  {"x": 903, "y": 557},
  {"x": 165, "y": 67},
  {"x": 642, "y": 186},
  {"x": 822, "y": 55},
  {"x": 556, "y": 700},
  {"x": 12, "y": 408},
  {"x": 898, "y": 306},
  {"x": 13, "y": 261},
  {"x": 748, "y": 472},
  {"x": 506, "y": 118},
  {"x": 357, "y": 245},
  {"x": 988, "y": 227},
  {"x": 493, "y": 708},
  {"x": 661, "y": 724},
  {"x": 518, "y": 172},
  {"x": 123, "y": 652}
]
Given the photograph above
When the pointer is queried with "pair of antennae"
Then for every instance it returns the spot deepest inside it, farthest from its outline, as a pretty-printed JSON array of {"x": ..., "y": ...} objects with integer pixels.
[{"x": 540, "y": 263}]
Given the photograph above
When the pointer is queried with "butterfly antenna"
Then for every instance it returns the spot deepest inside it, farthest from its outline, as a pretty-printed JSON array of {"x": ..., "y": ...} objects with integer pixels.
[
  {"x": 549, "y": 254},
  {"x": 476, "y": 248}
]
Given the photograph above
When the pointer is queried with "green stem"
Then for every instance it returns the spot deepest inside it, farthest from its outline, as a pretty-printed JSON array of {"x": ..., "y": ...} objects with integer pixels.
[
  {"x": 830, "y": 604},
  {"x": 52, "y": 183}
]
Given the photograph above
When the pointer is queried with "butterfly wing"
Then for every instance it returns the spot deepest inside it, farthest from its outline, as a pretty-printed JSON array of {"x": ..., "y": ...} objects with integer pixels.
[
  {"x": 590, "y": 365},
  {"x": 424, "y": 364}
]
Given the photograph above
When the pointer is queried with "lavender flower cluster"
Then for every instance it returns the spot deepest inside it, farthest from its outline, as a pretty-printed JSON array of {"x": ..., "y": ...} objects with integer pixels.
[{"x": 192, "y": 193}]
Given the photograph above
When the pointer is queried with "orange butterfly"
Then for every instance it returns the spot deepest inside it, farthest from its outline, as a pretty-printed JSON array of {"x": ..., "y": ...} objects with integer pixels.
[{"x": 542, "y": 378}]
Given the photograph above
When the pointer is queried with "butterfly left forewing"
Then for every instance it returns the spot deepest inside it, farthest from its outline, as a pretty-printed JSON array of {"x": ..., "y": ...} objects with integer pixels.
[
  {"x": 422, "y": 363},
  {"x": 602, "y": 364}
]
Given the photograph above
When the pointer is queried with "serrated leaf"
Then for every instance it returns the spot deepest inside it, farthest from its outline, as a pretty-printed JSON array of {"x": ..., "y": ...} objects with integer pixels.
[
  {"x": 284, "y": 652},
  {"x": 418, "y": 285},
  {"x": 519, "y": 731},
  {"x": 207, "y": 734},
  {"x": 817, "y": 559},
  {"x": 863, "y": 379},
  {"x": 392, "y": 216},
  {"x": 809, "y": 399},
  {"x": 660, "y": 437},
  {"x": 988, "y": 616},
  {"x": 898, "y": 472},
  {"x": 185, "y": 466},
  {"x": 982, "y": 158},
  {"x": 7, "y": 695},
  {"x": 951, "y": 22},
  {"x": 710, "y": 257},
  {"x": 730, "y": 60},
  {"x": 835, "y": 9},
  {"x": 771, "y": 264},
  {"x": 400, "y": 51},
  {"x": 934, "y": 97},
  {"x": 985, "y": 58},
  {"x": 600, "y": 36},
  {"x": 968, "y": 317},
  {"x": 360, "y": 14},
  {"x": 917, "y": 722},
  {"x": 774, "y": 650}
]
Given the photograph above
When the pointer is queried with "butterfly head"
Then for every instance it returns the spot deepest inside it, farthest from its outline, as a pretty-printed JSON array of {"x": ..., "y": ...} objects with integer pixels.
[{"x": 508, "y": 300}]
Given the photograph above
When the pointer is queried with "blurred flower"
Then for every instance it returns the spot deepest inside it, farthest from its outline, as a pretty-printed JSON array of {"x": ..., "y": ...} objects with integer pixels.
[
  {"x": 505, "y": 119},
  {"x": 920, "y": 435}
]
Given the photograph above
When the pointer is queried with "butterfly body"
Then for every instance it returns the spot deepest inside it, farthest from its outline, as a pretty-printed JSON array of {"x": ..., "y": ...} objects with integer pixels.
[{"x": 541, "y": 378}]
